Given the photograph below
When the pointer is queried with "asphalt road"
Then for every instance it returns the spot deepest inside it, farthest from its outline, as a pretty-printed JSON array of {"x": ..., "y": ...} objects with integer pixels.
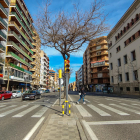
[
  {"x": 109, "y": 118},
  {"x": 17, "y": 118}
]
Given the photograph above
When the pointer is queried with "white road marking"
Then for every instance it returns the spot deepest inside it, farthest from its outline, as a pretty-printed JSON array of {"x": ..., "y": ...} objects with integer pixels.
[
  {"x": 8, "y": 107},
  {"x": 97, "y": 102},
  {"x": 71, "y": 99},
  {"x": 114, "y": 122},
  {"x": 130, "y": 105},
  {"x": 136, "y": 104},
  {"x": 21, "y": 114},
  {"x": 87, "y": 100},
  {"x": 113, "y": 109},
  {"x": 28, "y": 136},
  {"x": 40, "y": 112},
  {"x": 112, "y": 99},
  {"x": 89, "y": 130},
  {"x": 125, "y": 108},
  {"x": 11, "y": 111},
  {"x": 99, "y": 111},
  {"x": 55, "y": 102},
  {"x": 83, "y": 112},
  {"x": 2, "y": 105}
]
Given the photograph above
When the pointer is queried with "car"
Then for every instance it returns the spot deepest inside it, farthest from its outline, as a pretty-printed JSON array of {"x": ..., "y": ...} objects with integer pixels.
[
  {"x": 41, "y": 91},
  {"x": 31, "y": 94},
  {"x": 47, "y": 91},
  {"x": 55, "y": 90},
  {"x": 5, "y": 95},
  {"x": 16, "y": 93}
]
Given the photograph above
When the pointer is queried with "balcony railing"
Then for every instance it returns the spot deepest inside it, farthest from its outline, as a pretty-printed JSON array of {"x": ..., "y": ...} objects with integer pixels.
[
  {"x": 12, "y": 32},
  {"x": 12, "y": 22},
  {"x": 2, "y": 34},
  {"x": 18, "y": 58},
  {"x": 4, "y": 23},
  {"x": 4, "y": 10},
  {"x": 2, "y": 60},
  {"x": 19, "y": 49},
  {"x": 14, "y": 13},
  {"x": 2, "y": 47}
]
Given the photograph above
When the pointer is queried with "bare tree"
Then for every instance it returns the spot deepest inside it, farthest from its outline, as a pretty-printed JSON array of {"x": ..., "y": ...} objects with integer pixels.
[{"x": 68, "y": 32}]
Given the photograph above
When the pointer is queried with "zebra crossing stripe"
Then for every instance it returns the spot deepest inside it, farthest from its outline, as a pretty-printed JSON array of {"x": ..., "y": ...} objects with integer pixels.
[
  {"x": 83, "y": 112},
  {"x": 99, "y": 111},
  {"x": 136, "y": 104},
  {"x": 112, "y": 100},
  {"x": 87, "y": 100},
  {"x": 130, "y": 106},
  {"x": 40, "y": 112},
  {"x": 21, "y": 114},
  {"x": 125, "y": 108},
  {"x": 113, "y": 109},
  {"x": 11, "y": 111},
  {"x": 2, "y": 105},
  {"x": 8, "y": 107}
]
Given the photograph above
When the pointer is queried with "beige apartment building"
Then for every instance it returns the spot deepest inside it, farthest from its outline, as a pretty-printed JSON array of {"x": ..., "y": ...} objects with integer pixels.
[
  {"x": 36, "y": 61},
  {"x": 124, "y": 52},
  {"x": 96, "y": 65}
]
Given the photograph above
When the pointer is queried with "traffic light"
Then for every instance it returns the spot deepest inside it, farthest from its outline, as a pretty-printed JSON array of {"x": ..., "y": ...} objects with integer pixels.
[{"x": 67, "y": 66}]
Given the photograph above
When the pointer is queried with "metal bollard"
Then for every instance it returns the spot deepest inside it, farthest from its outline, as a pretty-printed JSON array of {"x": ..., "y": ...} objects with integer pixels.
[
  {"x": 62, "y": 110},
  {"x": 69, "y": 109}
]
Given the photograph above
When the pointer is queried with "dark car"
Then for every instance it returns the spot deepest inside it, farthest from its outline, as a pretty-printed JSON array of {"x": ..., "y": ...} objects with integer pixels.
[
  {"x": 31, "y": 94},
  {"x": 47, "y": 91}
]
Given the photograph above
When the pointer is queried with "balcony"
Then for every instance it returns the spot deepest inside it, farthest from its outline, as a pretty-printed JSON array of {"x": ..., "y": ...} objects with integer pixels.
[
  {"x": 102, "y": 48},
  {"x": 99, "y": 63},
  {"x": 11, "y": 43},
  {"x": 12, "y": 23},
  {"x": 2, "y": 36},
  {"x": 18, "y": 58},
  {"x": 19, "y": 20},
  {"x": 3, "y": 12},
  {"x": 3, "y": 24},
  {"x": 99, "y": 54},
  {"x": 11, "y": 33},
  {"x": 2, "y": 48},
  {"x": 33, "y": 69},
  {"x": 4, "y": 3}
]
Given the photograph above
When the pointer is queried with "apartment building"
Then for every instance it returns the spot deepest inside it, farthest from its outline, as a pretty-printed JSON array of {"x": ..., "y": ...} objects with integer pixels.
[
  {"x": 96, "y": 65},
  {"x": 36, "y": 61},
  {"x": 44, "y": 69},
  {"x": 4, "y": 9},
  {"x": 124, "y": 52},
  {"x": 72, "y": 86},
  {"x": 80, "y": 78}
]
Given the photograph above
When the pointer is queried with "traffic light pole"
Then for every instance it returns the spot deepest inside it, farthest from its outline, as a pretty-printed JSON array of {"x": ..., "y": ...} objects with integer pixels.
[
  {"x": 60, "y": 91},
  {"x": 67, "y": 93}
]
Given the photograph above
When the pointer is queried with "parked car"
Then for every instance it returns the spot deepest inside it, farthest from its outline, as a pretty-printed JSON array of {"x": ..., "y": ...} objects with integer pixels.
[
  {"x": 47, "y": 91},
  {"x": 5, "y": 95},
  {"x": 55, "y": 90},
  {"x": 41, "y": 91},
  {"x": 16, "y": 93},
  {"x": 31, "y": 94}
]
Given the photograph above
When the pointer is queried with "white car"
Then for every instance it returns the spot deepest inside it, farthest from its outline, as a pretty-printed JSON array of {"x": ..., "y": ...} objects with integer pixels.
[{"x": 16, "y": 93}]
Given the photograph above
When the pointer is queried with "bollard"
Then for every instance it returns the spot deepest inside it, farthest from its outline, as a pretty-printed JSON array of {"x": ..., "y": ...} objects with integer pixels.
[
  {"x": 69, "y": 109},
  {"x": 62, "y": 110}
]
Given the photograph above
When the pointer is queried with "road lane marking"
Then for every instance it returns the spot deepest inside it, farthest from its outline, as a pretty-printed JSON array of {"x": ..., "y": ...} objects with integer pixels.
[
  {"x": 2, "y": 105},
  {"x": 130, "y": 106},
  {"x": 28, "y": 136},
  {"x": 8, "y": 107},
  {"x": 112, "y": 99},
  {"x": 114, "y": 122},
  {"x": 40, "y": 112},
  {"x": 13, "y": 110},
  {"x": 113, "y": 109},
  {"x": 71, "y": 100},
  {"x": 136, "y": 104},
  {"x": 87, "y": 100},
  {"x": 99, "y": 111},
  {"x": 55, "y": 102},
  {"x": 125, "y": 108},
  {"x": 21, "y": 114},
  {"x": 83, "y": 112},
  {"x": 97, "y": 102},
  {"x": 89, "y": 130}
]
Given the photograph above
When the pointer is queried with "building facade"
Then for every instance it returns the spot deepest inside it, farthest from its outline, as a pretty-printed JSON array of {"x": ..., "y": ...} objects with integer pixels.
[
  {"x": 72, "y": 86},
  {"x": 19, "y": 44},
  {"x": 124, "y": 50},
  {"x": 4, "y": 12},
  {"x": 96, "y": 65},
  {"x": 44, "y": 69},
  {"x": 55, "y": 76}
]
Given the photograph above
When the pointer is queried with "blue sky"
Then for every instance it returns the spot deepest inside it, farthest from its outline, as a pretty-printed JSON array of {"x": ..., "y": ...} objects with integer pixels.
[{"x": 114, "y": 9}]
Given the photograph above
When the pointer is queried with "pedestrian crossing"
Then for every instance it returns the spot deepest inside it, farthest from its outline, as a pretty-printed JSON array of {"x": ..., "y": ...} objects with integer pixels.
[
  {"x": 108, "y": 110},
  {"x": 23, "y": 110}
]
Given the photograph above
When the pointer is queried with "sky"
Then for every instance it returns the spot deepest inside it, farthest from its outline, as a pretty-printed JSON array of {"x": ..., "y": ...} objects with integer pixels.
[{"x": 114, "y": 9}]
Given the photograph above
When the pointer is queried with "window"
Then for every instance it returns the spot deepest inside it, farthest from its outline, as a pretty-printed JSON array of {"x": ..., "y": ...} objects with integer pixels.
[
  {"x": 132, "y": 21},
  {"x": 111, "y": 66},
  {"x": 127, "y": 76},
  {"x": 18, "y": 74},
  {"x": 127, "y": 88},
  {"x": 112, "y": 79},
  {"x": 124, "y": 29},
  {"x": 137, "y": 17},
  {"x": 110, "y": 55},
  {"x": 135, "y": 73},
  {"x": 136, "y": 88},
  {"x": 121, "y": 32},
  {"x": 120, "y": 77},
  {"x": 125, "y": 43},
  {"x": 125, "y": 59},
  {"x": 6, "y": 72},
  {"x": 121, "y": 88},
  {"x": 118, "y": 35},
  {"x": 128, "y": 26},
  {"x": 130, "y": 40},
  {"x": 133, "y": 37},
  {"x": 20, "y": 65},
  {"x": 119, "y": 62},
  {"x": 116, "y": 38},
  {"x": 15, "y": 73},
  {"x": 133, "y": 54},
  {"x": 118, "y": 49}
]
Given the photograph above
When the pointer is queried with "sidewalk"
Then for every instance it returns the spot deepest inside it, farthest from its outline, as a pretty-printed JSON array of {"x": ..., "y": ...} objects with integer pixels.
[{"x": 58, "y": 127}]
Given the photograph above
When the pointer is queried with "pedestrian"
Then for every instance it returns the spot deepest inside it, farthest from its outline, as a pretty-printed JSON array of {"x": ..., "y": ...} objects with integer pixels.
[{"x": 82, "y": 95}]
